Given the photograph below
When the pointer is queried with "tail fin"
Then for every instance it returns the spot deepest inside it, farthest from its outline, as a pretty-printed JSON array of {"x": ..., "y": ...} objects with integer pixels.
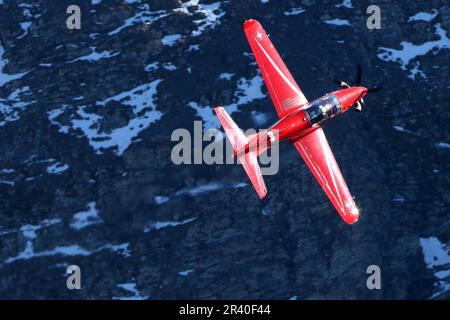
[{"x": 248, "y": 160}]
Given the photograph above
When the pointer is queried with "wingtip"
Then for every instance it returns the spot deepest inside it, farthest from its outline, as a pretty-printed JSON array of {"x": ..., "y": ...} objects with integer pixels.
[
  {"x": 353, "y": 221},
  {"x": 262, "y": 193},
  {"x": 218, "y": 109},
  {"x": 250, "y": 23},
  {"x": 353, "y": 217}
]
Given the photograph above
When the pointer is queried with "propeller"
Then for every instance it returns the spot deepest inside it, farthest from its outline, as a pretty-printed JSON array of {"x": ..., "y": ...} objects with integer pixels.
[
  {"x": 358, "y": 74},
  {"x": 375, "y": 89},
  {"x": 360, "y": 103},
  {"x": 358, "y": 78}
]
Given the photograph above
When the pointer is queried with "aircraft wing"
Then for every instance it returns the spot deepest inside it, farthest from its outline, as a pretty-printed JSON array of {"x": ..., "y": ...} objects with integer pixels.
[
  {"x": 283, "y": 89},
  {"x": 316, "y": 152}
]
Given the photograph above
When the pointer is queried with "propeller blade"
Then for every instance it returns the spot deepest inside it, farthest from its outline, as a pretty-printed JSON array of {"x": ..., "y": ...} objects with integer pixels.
[
  {"x": 341, "y": 83},
  {"x": 375, "y": 89},
  {"x": 358, "y": 74},
  {"x": 337, "y": 82},
  {"x": 362, "y": 102},
  {"x": 344, "y": 84}
]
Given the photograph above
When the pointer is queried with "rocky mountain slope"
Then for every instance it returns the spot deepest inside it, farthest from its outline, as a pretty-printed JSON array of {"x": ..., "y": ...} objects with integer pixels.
[{"x": 86, "y": 176}]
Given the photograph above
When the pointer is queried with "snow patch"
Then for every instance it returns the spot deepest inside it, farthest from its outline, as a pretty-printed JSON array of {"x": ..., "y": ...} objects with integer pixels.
[
  {"x": 25, "y": 26},
  {"x": 170, "y": 40},
  {"x": 410, "y": 51},
  {"x": 398, "y": 198},
  {"x": 28, "y": 17},
  {"x": 193, "y": 47},
  {"x": 169, "y": 66},
  {"x": 95, "y": 56},
  {"x": 144, "y": 17},
  {"x": 132, "y": 288},
  {"x": 165, "y": 224},
  {"x": 247, "y": 91},
  {"x": 211, "y": 13},
  {"x": 225, "y": 76},
  {"x": 5, "y": 179},
  {"x": 259, "y": 118},
  {"x": 8, "y": 182},
  {"x": 152, "y": 67},
  {"x": 68, "y": 251},
  {"x": 207, "y": 115},
  {"x": 424, "y": 16},
  {"x": 399, "y": 128},
  {"x": 161, "y": 200},
  {"x": 140, "y": 99},
  {"x": 346, "y": 4},
  {"x": 415, "y": 71},
  {"x": 55, "y": 113},
  {"x": 86, "y": 218},
  {"x": 294, "y": 11},
  {"x": 4, "y": 231},
  {"x": 30, "y": 233},
  {"x": 338, "y": 22},
  {"x": 205, "y": 188},
  {"x": 402, "y": 129},
  {"x": 240, "y": 185},
  {"x": 185, "y": 273},
  {"x": 5, "y": 78},
  {"x": 437, "y": 258},
  {"x": 13, "y": 104},
  {"x": 443, "y": 145},
  {"x": 57, "y": 168}
]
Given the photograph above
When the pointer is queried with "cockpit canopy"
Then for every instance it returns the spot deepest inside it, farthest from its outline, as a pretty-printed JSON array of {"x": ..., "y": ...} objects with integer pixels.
[{"x": 322, "y": 109}]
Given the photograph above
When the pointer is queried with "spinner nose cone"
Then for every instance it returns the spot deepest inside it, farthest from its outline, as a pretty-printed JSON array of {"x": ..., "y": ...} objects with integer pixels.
[
  {"x": 363, "y": 91},
  {"x": 349, "y": 97}
]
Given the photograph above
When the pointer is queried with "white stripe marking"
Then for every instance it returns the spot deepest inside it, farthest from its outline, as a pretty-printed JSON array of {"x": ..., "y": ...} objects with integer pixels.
[
  {"x": 279, "y": 71},
  {"x": 321, "y": 178},
  {"x": 327, "y": 158}
]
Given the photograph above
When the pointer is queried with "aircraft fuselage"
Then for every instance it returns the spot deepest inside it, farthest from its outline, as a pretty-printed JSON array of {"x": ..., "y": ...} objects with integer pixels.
[{"x": 304, "y": 119}]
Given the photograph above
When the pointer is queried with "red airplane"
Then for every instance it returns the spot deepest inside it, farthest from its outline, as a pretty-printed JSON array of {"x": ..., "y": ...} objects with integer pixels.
[{"x": 300, "y": 122}]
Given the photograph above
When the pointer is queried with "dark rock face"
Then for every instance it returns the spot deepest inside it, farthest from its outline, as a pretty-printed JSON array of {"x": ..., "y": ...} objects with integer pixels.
[{"x": 86, "y": 176}]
